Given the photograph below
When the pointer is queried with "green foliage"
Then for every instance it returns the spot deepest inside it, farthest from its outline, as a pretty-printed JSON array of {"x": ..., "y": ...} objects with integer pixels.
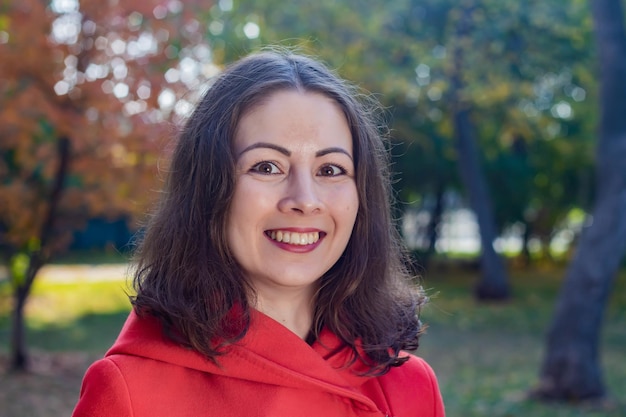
[
  {"x": 19, "y": 262},
  {"x": 18, "y": 265}
]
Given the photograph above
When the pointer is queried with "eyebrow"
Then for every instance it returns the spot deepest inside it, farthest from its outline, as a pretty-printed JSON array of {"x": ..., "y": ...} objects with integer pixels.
[
  {"x": 258, "y": 145},
  {"x": 287, "y": 152}
]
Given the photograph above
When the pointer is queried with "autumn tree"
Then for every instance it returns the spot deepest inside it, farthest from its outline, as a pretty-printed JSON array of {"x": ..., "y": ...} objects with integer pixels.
[
  {"x": 87, "y": 92},
  {"x": 571, "y": 368}
]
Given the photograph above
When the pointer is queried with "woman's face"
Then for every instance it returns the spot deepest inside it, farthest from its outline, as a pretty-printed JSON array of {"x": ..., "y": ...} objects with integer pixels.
[{"x": 295, "y": 199}]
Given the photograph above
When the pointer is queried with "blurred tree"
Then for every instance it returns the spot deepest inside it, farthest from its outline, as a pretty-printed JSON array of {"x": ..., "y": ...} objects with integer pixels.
[
  {"x": 83, "y": 102},
  {"x": 494, "y": 284},
  {"x": 516, "y": 79},
  {"x": 571, "y": 368}
]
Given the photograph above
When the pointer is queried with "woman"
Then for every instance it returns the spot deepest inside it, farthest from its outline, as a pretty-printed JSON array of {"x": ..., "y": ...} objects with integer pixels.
[{"x": 270, "y": 280}]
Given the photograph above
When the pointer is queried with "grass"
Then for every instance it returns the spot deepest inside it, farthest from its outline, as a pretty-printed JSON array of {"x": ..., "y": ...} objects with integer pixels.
[
  {"x": 64, "y": 316},
  {"x": 486, "y": 356}
]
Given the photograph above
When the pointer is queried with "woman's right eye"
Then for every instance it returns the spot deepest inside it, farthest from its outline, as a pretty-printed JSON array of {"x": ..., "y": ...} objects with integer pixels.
[{"x": 266, "y": 168}]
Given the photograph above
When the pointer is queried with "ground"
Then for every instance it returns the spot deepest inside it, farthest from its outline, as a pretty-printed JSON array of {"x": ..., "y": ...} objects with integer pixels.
[{"x": 50, "y": 388}]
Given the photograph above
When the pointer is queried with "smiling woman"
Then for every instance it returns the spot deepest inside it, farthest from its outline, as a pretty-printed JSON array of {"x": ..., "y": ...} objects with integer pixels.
[{"x": 270, "y": 280}]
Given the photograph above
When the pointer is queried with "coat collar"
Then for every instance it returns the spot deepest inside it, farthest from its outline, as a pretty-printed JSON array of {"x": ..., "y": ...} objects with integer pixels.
[{"x": 268, "y": 353}]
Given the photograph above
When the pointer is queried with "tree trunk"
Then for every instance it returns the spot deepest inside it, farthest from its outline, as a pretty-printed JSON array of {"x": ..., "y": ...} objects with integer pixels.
[
  {"x": 432, "y": 230},
  {"x": 571, "y": 368},
  {"x": 526, "y": 256},
  {"x": 19, "y": 359},
  {"x": 435, "y": 219},
  {"x": 494, "y": 284},
  {"x": 19, "y": 356}
]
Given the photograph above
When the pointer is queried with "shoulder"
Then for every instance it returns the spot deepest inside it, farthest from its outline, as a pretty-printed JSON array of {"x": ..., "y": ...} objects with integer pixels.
[
  {"x": 415, "y": 367},
  {"x": 414, "y": 374},
  {"x": 104, "y": 392},
  {"x": 125, "y": 385},
  {"x": 412, "y": 389}
]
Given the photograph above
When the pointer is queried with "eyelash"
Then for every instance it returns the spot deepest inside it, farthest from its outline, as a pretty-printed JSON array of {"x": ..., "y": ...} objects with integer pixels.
[
  {"x": 256, "y": 168},
  {"x": 342, "y": 170}
]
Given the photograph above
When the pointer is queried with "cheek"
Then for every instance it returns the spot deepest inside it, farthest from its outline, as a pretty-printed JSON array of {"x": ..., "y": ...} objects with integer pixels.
[
  {"x": 239, "y": 208},
  {"x": 350, "y": 210},
  {"x": 251, "y": 202},
  {"x": 235, "y": 215},
  {"x": 351, "y": 206}
]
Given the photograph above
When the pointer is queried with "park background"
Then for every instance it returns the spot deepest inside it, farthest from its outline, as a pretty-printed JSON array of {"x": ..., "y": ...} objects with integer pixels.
[{"x": 508, "y": 138}]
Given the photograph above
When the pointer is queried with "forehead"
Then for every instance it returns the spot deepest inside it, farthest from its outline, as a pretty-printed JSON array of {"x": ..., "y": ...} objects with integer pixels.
[{"x": 297, "y": 119}]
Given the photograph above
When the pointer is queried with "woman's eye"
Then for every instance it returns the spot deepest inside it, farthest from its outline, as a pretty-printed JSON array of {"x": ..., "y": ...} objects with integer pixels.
[
  {"x": 265, "y": 167},
  {"x": 331, "y": 170}
]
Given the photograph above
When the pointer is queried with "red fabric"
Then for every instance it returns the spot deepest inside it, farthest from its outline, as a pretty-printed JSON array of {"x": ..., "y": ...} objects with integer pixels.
[{"x": 270, "y": 373}]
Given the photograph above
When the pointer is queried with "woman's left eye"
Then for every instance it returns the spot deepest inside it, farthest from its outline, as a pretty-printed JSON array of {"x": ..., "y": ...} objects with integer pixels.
[{"x": 331, "y": 170}]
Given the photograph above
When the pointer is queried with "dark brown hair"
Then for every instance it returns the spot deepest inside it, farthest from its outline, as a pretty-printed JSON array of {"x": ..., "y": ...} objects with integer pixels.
[{"x": 186, "y": 275}]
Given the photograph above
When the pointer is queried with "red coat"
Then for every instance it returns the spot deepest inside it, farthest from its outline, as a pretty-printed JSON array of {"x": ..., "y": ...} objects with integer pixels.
[{"x": 270, "y": 373}]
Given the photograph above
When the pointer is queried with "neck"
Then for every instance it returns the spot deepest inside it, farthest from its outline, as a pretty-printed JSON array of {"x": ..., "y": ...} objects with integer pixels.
[{"x": 293, "y": 310}]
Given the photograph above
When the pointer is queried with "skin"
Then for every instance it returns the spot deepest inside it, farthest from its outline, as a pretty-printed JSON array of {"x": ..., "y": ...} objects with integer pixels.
[{"x": 295, "y": 176}]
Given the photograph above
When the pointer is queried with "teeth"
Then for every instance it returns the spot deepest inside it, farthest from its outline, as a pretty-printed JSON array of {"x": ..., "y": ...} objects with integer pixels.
[{"x": 295, "y": 238}]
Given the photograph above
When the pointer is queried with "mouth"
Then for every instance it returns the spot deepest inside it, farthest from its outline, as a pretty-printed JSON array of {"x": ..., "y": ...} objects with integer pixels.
[{"x": 295, "y": 238}]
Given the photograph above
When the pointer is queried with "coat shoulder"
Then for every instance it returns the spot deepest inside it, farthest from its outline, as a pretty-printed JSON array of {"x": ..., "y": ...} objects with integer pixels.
[
  {"x": 413, "y": 389},
  {"x": 104, "y": 392}
]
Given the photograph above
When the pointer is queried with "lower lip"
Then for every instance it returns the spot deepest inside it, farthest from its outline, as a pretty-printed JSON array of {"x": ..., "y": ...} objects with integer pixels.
[{"x": 296, "y": 248}]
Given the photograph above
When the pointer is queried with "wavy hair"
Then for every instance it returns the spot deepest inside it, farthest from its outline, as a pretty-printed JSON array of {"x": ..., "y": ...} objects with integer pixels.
[{"x": 186, "y": 275}]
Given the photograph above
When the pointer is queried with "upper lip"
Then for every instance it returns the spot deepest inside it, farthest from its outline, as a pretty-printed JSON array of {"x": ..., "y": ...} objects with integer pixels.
[{"x": 296, "y": 229}]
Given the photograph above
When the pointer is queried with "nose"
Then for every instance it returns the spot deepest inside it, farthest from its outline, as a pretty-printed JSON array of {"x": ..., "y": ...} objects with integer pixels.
[{"x": 302, "y": 194}]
